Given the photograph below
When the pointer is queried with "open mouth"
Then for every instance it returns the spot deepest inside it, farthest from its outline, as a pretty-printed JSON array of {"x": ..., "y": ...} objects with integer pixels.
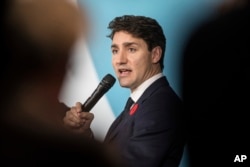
[{"x": 124, "y": 71}]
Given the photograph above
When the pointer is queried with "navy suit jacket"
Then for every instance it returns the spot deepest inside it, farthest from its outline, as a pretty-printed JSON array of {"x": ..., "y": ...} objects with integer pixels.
[{"x": 153, "y": 136}]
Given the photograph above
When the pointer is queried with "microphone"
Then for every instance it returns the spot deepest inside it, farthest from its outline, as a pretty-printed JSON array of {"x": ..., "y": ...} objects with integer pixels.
[{"x": 106, "y": 83}]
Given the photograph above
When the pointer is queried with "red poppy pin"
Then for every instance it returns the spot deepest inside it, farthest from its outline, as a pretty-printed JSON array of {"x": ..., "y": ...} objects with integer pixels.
[{"x": 133, "y": 109}]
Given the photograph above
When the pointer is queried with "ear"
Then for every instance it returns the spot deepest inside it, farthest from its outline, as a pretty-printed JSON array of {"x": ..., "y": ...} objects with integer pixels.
[{"x": 156, "y": 54}]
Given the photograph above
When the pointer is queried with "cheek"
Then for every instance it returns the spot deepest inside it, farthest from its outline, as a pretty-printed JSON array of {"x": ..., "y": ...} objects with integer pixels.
[
  {"x": 141, "y": 63},
  {"x": 113, "y": 61}
]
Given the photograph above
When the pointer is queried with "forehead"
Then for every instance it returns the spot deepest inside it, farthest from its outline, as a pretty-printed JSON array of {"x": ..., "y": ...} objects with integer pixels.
[{"x": 123, "y": 37}]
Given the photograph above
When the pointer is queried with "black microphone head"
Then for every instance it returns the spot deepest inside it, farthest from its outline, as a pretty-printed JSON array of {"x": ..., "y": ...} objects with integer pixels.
[{"x": 108, "y": 81}]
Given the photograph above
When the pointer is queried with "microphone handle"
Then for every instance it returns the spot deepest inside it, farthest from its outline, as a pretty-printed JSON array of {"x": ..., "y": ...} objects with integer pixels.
[{"x": 93, "y": 99}]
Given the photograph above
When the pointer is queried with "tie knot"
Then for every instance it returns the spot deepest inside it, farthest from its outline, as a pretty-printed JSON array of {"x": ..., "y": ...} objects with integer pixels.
[{"x": 129, "y": 103}]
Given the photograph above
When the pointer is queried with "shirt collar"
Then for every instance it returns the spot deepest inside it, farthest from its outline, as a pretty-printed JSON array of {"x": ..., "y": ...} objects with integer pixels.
[{"x": 139, "y": 91}]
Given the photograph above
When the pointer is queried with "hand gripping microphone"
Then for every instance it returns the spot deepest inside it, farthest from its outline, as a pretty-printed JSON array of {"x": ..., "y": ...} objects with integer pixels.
[{"x": 106, "y": 83}]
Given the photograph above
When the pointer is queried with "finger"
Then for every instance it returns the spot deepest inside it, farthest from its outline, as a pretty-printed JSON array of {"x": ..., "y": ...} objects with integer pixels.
[
  {"x": 88, "y": 119},
  {"x": 86, "y": 116},
  {"x": 71, "y": 119},
  {"x": 78, "y": 107},
  {"x": 73, "y": 111}
]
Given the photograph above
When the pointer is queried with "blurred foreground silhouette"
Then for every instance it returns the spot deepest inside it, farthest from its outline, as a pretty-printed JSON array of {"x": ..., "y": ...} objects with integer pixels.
[{"x": 38, "y": 37}]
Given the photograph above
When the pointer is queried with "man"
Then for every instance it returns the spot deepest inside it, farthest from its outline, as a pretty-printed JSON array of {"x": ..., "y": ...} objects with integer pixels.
[
  {"x": 38, "y": 38},
  {"x": 150, "y": 133}
]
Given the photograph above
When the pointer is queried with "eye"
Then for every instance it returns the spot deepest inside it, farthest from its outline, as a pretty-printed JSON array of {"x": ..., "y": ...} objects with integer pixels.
[
  {"x": 114, "y": 51},
  {"x": 132, "y": 50}
]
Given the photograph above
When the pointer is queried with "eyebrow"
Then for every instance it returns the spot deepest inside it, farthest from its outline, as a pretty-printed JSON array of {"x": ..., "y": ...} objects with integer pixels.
[{"x": 126, "y": 44}]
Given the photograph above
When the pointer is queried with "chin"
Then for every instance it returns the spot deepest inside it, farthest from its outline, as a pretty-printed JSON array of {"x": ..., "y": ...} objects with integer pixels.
[{"x": 124, "y": 85}]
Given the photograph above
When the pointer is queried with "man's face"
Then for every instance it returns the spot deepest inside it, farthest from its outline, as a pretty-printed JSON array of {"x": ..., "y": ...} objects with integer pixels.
[{"x": 131, "y": 60}]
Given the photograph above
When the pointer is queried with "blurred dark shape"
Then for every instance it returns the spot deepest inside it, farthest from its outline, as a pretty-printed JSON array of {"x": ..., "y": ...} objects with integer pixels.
[
  {"x": 38, "y": 37},
  {"x": 216, "y": 90}
]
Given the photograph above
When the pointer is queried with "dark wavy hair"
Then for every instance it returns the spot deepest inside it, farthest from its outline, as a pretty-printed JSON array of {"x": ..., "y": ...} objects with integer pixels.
[{"x": 142, "y": 27}]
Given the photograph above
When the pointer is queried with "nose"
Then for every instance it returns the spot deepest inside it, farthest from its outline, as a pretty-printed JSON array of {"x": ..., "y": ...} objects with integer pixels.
[{"x": 120, "y": 58}]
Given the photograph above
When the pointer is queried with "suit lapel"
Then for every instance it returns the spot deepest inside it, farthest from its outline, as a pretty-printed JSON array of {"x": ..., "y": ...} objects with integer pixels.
[{"x": 124, "y": 118}]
